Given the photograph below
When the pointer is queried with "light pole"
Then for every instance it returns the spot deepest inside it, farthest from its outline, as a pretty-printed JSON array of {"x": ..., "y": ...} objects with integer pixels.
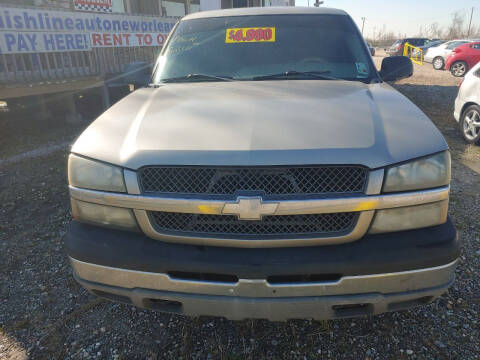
[{"x": 470, "y": 24}]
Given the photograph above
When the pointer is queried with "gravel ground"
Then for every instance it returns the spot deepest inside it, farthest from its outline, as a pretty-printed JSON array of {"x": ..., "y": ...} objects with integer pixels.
[{"x": 44, "y": 314}]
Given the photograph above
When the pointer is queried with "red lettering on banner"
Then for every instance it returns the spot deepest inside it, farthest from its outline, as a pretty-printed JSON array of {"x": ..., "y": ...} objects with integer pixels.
[
  {"x": 97, "y": 40},
  {"x": 126, "y": 39},
  {"x": 160, "y": 39},
  {"x": 148, "y": 39},
  {"x": 117, "y": 39},
  {"x": 107, "y": 39}
]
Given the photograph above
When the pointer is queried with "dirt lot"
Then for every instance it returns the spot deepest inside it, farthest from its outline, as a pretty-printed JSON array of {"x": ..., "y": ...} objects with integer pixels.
[{"x": 44, "y": 314}]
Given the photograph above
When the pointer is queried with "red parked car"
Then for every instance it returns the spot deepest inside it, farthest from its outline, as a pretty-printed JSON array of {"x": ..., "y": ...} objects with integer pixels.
[{"x": 463, "y": 58}]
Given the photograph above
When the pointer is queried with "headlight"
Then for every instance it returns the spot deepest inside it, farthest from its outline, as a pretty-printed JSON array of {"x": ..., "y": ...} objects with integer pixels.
[
  {"x": 102, "y": 215},
  {"x": 429, "y": 172},
  {"x": 410, "y": 217},
  {"x": 89, "y": 174}
]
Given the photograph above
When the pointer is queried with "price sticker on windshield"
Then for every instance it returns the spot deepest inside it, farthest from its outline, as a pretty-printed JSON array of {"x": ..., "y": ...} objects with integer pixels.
[{"x": 248, "y": 35}]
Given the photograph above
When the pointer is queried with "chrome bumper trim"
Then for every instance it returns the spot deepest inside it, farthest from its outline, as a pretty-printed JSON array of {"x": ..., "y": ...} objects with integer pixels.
[
  {"x": 284, "y": 207},
  {"x": 365, "y": 205},
  {"x": 260, "y": 288}
]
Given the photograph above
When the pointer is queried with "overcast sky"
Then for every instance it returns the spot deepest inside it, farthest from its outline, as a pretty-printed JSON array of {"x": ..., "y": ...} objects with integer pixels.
[{"x": 404, "y": 16}]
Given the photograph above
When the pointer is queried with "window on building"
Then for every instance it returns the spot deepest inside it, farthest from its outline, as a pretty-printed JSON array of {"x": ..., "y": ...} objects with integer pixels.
[
  {"x": 173, "y": 8},
  {"x": 194, "y": 7},
  {"x": 118, "y": 6},
  {"x": 240, "y": 3},
  {"x": 228, "y": 4},
  {"x": 177, "y": 8},
  {"x": 147, "y": 7}
]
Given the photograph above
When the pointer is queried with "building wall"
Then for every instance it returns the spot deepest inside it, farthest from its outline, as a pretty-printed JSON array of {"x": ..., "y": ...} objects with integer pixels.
[
  {"x": 210, "y": 5},
  {"x": 175, "y": 8},
  {"x": 64, "y": 4},
  {"x": 279, "y": 2},
  {"x": 228, "y": 4}
]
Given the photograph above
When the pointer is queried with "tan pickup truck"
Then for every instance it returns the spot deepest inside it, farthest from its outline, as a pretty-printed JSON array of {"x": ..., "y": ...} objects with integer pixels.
[{"x": 267, "y": 171}]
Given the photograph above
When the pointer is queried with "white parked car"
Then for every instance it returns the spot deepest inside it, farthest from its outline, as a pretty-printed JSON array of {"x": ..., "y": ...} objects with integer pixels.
[
  {"x": 437, "y": 55},
  {"x": 467, "y": 106}
]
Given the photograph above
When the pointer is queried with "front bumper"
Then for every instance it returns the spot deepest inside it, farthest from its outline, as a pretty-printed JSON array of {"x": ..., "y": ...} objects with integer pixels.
[
  {"x": 375, "y": 274},
  {"x": 428, "y": 59},
  {"x": 147, "y": 291}
]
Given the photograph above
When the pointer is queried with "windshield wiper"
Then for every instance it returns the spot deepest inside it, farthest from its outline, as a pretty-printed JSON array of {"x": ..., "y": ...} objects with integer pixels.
[
  {"x": 293, "y": 73},
  {"x": 196, "y": 77}
]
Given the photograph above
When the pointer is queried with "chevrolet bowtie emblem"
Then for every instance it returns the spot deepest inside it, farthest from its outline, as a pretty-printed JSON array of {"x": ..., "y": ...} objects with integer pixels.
[{"x": 250, "y": 208}]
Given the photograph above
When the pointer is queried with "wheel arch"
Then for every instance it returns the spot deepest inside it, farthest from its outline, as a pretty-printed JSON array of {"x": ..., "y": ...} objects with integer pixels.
[
  {"x": 456, "y": 61},
  {"x": 444, "y": 59},
  {"x": 466, "y": 105}
]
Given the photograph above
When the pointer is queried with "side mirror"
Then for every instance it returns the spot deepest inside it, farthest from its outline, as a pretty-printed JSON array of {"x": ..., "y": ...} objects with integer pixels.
[{"x": 396, "y": 67}]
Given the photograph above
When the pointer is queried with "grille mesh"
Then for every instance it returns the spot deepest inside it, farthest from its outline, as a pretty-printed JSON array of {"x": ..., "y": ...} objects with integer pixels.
[
  {"x": 270, "y": 225},
  {"x": 271, "y": 180}
]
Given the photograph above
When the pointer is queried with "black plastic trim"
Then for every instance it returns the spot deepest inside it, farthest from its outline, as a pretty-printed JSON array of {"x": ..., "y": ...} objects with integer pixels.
[{"x": 373, "y": 254}]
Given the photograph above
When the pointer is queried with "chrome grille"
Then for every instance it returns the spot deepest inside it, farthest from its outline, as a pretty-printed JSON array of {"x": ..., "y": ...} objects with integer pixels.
[
  {"x": 270, "y": 180},
  {"x": 215, "y": 225}
]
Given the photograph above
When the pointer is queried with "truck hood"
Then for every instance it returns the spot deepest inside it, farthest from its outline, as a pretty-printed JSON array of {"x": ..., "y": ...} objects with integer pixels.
[{"x": 261, "y": 123}]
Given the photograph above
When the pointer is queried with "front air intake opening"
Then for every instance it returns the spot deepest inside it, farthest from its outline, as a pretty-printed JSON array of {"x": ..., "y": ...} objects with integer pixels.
[
  {"x": 336, "y": 224},
  {"x": 352, "y": 310},
  {"x": 298, "y": 279},
  {"x": 273, "y": 180},
  {"x": 163, "y": 305}
]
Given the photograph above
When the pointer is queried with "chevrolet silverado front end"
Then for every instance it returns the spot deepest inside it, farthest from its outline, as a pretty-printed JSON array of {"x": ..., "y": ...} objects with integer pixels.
[{"x": 267, "y": 172}]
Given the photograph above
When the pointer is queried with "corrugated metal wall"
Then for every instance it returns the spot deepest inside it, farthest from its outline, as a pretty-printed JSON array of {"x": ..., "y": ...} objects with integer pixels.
[{"x": 21, "y": 68}]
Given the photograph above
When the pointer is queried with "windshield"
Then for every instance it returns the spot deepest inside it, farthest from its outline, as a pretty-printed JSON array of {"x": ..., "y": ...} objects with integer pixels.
[
  {"x": 253, "y": 47},
  {"x": 435, "y": 43},
  {"x": 452, "y": 45}
]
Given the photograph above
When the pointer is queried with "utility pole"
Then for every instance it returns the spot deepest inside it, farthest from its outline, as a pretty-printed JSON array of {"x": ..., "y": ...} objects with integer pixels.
[
  {"x": 470, "y": 24},
  {"x": 363, "y": 24}
]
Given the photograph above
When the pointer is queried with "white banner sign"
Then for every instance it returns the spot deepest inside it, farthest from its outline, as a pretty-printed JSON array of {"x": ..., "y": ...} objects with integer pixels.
[
  {"x": 32, "y": 30},
  {"x": 32, "y": 42}
]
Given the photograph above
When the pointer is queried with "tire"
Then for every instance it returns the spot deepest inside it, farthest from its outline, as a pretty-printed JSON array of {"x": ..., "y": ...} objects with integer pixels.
[
  {"x": 459, "y": 68},
  {"x": 438, "y": 63},
  {"x": 470, "y": 124}
]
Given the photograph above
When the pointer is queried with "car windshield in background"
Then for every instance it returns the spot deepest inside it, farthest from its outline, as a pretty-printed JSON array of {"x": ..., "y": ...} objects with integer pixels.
[
  {"x": 452, "y": 45},
  {"x": 265, "y": 47},
  {"x": 434, "y": 43}
]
